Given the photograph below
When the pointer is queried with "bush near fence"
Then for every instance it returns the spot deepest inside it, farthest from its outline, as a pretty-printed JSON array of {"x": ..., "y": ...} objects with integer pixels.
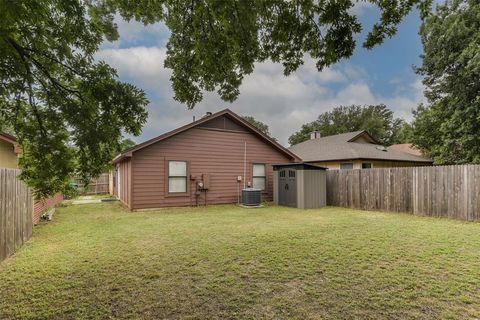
[
  {"x": 439, "y": 191},
  {"x": 16, "y": 207}
]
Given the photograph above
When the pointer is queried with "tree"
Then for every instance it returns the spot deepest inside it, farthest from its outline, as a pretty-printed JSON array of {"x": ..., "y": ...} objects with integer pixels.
[
  {"x": 259, "y": 125},
  {"x": 68, "y": 110},
  {"x": 5, "y": 127},
  {"x": 215, "y": 44},
  {"x": 448, "y": 127},
  {"x": 126, "y": 144},
  {"x": 402, "y": 132},
  {"x": 376, "y": 119}
]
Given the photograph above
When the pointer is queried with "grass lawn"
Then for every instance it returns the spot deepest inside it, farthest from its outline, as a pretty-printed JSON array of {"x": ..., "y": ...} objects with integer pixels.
[{"x": 101, "y": 261}]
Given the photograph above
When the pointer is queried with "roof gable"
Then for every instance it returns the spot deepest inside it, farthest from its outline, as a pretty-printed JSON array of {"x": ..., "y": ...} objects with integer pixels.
[
  {"x": 363, "y": 137},
  {"x": 222, "y": 120}
]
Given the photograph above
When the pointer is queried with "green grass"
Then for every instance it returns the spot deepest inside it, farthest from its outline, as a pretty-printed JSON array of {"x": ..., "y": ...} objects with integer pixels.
[{"x": 101, "y": 261}]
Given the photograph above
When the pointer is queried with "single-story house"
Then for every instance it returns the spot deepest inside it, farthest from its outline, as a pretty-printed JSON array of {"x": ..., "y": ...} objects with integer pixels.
[
  {"x": 354, "y": 150},
  {"x": 208, "y": 161},
  {"x": 9, "y": 152}
]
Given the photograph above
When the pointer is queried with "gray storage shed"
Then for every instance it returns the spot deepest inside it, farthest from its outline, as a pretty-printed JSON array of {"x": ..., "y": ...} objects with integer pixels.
[{"x": 299, "y": 185}]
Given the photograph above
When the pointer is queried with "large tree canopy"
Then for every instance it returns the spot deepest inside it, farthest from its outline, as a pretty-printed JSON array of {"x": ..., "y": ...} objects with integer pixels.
[
  {"x": 69, "y": 110},
  {"x": 214, "y": 44},
  {"x": 448, "y": 127},
  {"x": 378, "y": 120}
]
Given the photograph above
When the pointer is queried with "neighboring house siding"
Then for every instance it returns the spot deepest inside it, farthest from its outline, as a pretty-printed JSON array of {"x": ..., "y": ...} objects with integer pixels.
[
  {"x": 8, "y": 158},
  {"x": 41, "y": 206},
  {"x": 217, "y": 153},
  {"x": 357, "y": 164}
]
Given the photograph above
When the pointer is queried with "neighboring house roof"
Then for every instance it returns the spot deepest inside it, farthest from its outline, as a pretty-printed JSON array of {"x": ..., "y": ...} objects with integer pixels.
[
  {"x": 11, "y": 140},
  {"x": 7, "y": 138},
  {"x": 226, "y": 112},
  {"x": 350, "y": 146},
  {"x": 407, "y": 148}
]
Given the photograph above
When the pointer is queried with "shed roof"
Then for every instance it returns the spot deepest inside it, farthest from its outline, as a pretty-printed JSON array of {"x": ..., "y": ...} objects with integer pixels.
[
  {"x": 226, "y": 112},
  {"x": 347, "y": 146}
]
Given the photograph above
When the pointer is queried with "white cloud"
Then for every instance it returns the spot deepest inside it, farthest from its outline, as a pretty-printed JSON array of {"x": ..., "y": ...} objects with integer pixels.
[
  {"x": 133, "y": 33},
  {"x": 361, "y": 7},
  {"x": 284, "y": 103}
]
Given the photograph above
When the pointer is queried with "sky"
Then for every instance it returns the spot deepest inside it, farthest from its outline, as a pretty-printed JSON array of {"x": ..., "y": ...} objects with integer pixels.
[{"x": 382, "y": 75}]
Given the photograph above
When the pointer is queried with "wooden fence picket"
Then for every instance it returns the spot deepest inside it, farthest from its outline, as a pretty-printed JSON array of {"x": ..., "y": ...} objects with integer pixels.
[
  {"x": 16, "y": 205},
  {"x": 438, "y": 191}
]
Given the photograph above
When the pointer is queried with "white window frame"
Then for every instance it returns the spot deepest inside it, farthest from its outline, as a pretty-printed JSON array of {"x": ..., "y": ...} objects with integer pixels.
[
  {"x": 177, "y": 177},
  {"x": 344, "y": 163},
  {"x": 367, "y": 163},
  {"x": 260, "y": 177}
]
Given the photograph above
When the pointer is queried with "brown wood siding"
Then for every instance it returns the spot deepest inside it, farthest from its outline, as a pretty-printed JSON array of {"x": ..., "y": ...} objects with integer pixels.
[
  {"x": 124, "y": 173},
  {"x": 218, "y": 153}
]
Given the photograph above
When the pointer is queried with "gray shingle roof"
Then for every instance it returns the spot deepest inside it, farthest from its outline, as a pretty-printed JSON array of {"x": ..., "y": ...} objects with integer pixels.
[{"x": 338, "y": 147}]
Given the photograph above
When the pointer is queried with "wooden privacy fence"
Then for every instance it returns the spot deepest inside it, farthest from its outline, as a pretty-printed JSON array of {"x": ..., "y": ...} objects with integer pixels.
[
  {"x": 96, "y": 186},
  {"x": 16, "y": 205},
  {"x": 441, "y": 191}
]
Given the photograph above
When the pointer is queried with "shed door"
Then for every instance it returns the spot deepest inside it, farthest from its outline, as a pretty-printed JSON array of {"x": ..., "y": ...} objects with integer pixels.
[{"x": 287, "y": 189}]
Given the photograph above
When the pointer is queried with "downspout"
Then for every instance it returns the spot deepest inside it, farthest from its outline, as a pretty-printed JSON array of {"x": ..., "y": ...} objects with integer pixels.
[{"x": 244, "y": 164}]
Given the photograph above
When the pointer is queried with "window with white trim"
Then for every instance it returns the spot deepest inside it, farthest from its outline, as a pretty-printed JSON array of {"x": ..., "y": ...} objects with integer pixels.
[
  {"x": 259, "y": 176},
  {"x": 346, "y": 166},
  {"x": 366, "y": 165},
  {"x": 177, "y": 176}
]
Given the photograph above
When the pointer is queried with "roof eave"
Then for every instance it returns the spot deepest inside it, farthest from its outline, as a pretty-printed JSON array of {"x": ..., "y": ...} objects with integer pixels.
[
  {"x": 8, "y": 138},
  {"x": 264, "y": 136},
  {"x": 372, "y": 159},
  {"x": 122, "y": 156}
]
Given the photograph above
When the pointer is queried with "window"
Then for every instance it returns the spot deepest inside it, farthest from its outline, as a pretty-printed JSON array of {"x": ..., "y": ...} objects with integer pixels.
[
  {"x": 177, "y": 176},
  {"x": 366, "y": 165},
  {"x": 259, "y": 176},
  {"x": 346, "y": 165}
]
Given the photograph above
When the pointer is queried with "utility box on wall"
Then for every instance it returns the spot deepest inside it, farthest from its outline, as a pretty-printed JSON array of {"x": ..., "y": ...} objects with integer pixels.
[{"x": 299, "y": 185}]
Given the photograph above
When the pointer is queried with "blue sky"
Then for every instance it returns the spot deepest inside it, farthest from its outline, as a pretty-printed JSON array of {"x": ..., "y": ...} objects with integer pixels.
[{"x": 381, "y": 75}]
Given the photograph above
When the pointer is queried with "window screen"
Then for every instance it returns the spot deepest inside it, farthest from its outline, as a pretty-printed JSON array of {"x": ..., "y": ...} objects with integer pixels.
[
  {"x": 177, "y": 176},
  {"x": 366, "y": 165},
  {"x": 346, "y": 165},
  {"x": 259, "y": 176}
]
